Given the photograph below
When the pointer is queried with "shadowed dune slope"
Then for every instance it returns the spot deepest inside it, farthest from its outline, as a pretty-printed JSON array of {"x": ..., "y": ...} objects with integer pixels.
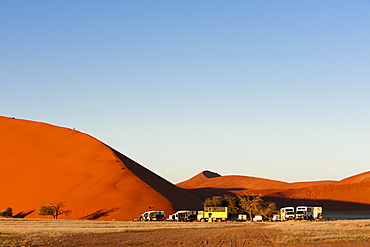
[
  {"x": 233, "y": 182},
  {"x": 42, "y": 163},
  {"x": 355, "y": 193},
  {"x": 355, "y": 189}
]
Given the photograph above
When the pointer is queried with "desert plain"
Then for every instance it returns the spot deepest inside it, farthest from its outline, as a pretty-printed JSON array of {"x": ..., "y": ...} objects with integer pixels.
[
  {"x": 43, "y": 232},
  {"x": 43, "y": 163},
  {"x": 106, "y": 190}
]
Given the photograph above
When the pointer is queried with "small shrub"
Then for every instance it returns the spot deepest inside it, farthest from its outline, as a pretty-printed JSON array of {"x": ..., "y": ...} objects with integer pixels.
[{"x": 7, "y": 213}]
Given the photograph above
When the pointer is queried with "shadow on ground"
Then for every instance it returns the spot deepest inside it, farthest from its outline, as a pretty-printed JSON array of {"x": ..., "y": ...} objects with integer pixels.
[{"x": 98, "y": 214}]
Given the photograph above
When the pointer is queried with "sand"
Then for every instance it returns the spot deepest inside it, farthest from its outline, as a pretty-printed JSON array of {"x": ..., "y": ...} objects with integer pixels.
[
  {"x": 23, "y": 232},
  {"x": 349, "y": 194},
  {"x": 42, "y": 163}
]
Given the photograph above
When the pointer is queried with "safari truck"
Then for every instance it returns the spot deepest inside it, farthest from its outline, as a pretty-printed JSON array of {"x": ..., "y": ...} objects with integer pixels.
[
  {"x": 287, "y": 213},
  {"x": 183, "y": 215},
  {"x": 317, "y": 213},
  {"x": 213, "y": 214},
  {"x": 152, "y": 216},
  {"x": 304, "y": 213}
]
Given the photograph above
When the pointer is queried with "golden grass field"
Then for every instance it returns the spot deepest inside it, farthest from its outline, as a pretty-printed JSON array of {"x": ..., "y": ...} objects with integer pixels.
[{"x": 41, "y": 232}]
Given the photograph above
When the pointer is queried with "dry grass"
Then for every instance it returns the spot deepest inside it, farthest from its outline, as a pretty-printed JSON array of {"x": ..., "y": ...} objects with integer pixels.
[
  {"x": 35, "y": 232},
  {"x": 322, "y": 231},
  {"x": 42, "y": 226}
]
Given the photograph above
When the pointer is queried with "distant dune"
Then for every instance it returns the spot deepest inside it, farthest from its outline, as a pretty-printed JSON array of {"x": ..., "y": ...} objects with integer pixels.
[
  {"x": 352, "y": 193},
  {"x": 359, "y": 178},
  {"x": 41, "y": 163},
  {"x": 233, "y": 182}
]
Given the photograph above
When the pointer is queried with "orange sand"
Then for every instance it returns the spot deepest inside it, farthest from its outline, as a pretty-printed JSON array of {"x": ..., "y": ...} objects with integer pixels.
[
  {"x": 243, "y": 182},
  {"x": 42, "y": 163},
  {"x": 354, "y": 190}
]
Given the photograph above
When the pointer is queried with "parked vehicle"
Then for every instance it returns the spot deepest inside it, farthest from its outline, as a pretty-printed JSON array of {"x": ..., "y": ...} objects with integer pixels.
[
  {"x": 308, "y": 213},
  {"x": 183, "y": 215},
  {"x": 304, "y": 213},
  {"x": 212, "y": 214},
  {"x": 152, "y": 216},
  {"x": 276, "y": 217},
  {"x": 258, "y": 218},
  {"x": 287, "y": 213},
  {"x": 242, "y": 217},
  {"x": 317, "y": 213}
]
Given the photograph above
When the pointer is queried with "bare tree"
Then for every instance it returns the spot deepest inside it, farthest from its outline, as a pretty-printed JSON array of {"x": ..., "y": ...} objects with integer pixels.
[
  {"x": 268, "y": 209},
  {"x": 55, "y": 209},
  {"x": 250, "y": 204}
]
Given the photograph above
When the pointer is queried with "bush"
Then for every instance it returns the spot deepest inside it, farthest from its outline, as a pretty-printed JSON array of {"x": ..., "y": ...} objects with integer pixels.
[{"x": 7, "y": 213}]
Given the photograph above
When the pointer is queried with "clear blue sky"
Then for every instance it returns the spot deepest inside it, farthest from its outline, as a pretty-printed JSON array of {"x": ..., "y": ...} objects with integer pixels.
[{"x": 273, "y": 89}]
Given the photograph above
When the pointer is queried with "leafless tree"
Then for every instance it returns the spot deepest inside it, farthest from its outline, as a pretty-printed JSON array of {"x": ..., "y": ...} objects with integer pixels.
[
  {"x": 251, "y": 204},
  {"x": 55, "y": 209}
]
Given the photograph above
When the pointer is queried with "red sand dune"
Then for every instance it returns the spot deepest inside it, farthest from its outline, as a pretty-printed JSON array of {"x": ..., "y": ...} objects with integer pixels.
[
  {"x": 355, "y": 189},
  {"x": 354, "y": 193},
  {"x": 243, "y": 182},
  {"x": 359, "y": 178},
  {"x": 42, "y": 163}
]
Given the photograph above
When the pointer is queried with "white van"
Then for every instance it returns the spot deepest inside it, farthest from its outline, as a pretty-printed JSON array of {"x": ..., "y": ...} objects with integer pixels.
[{"x": 152, "y": 216}]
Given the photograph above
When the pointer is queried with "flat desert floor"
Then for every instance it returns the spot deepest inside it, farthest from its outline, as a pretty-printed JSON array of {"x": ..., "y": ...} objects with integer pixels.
[{"x": 41, "y": 232}]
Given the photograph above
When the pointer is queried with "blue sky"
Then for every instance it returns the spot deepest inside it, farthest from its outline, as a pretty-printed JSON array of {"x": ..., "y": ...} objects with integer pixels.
[{"x": 273, "y": 89}]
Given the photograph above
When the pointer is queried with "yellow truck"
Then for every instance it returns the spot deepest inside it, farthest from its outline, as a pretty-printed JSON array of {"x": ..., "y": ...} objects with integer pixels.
[{"x": 213, "y": 214}]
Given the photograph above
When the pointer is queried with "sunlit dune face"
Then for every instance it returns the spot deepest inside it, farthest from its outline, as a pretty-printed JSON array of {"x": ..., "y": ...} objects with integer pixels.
[{"x": 44, "y": 163}]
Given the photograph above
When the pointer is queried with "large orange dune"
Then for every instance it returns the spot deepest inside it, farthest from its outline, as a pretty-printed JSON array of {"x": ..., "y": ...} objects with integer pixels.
[
  {"x": 348, "y": 194},
  {"x": 233, "y": 182},
  {"x": 41, "y": 163}
]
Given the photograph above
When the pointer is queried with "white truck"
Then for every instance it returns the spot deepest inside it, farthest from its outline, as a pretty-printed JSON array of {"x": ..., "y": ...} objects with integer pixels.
[
  {"x": 317, "y": 213},
  {"x": 287, "y": 213},
  {"x": 308, "y": 213},
  {"x": 152, "y": 216},
  {"x": 304, "y": 213},
  {"x": 242, "y": 217},
  {"x": 183, "y": 215}
]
